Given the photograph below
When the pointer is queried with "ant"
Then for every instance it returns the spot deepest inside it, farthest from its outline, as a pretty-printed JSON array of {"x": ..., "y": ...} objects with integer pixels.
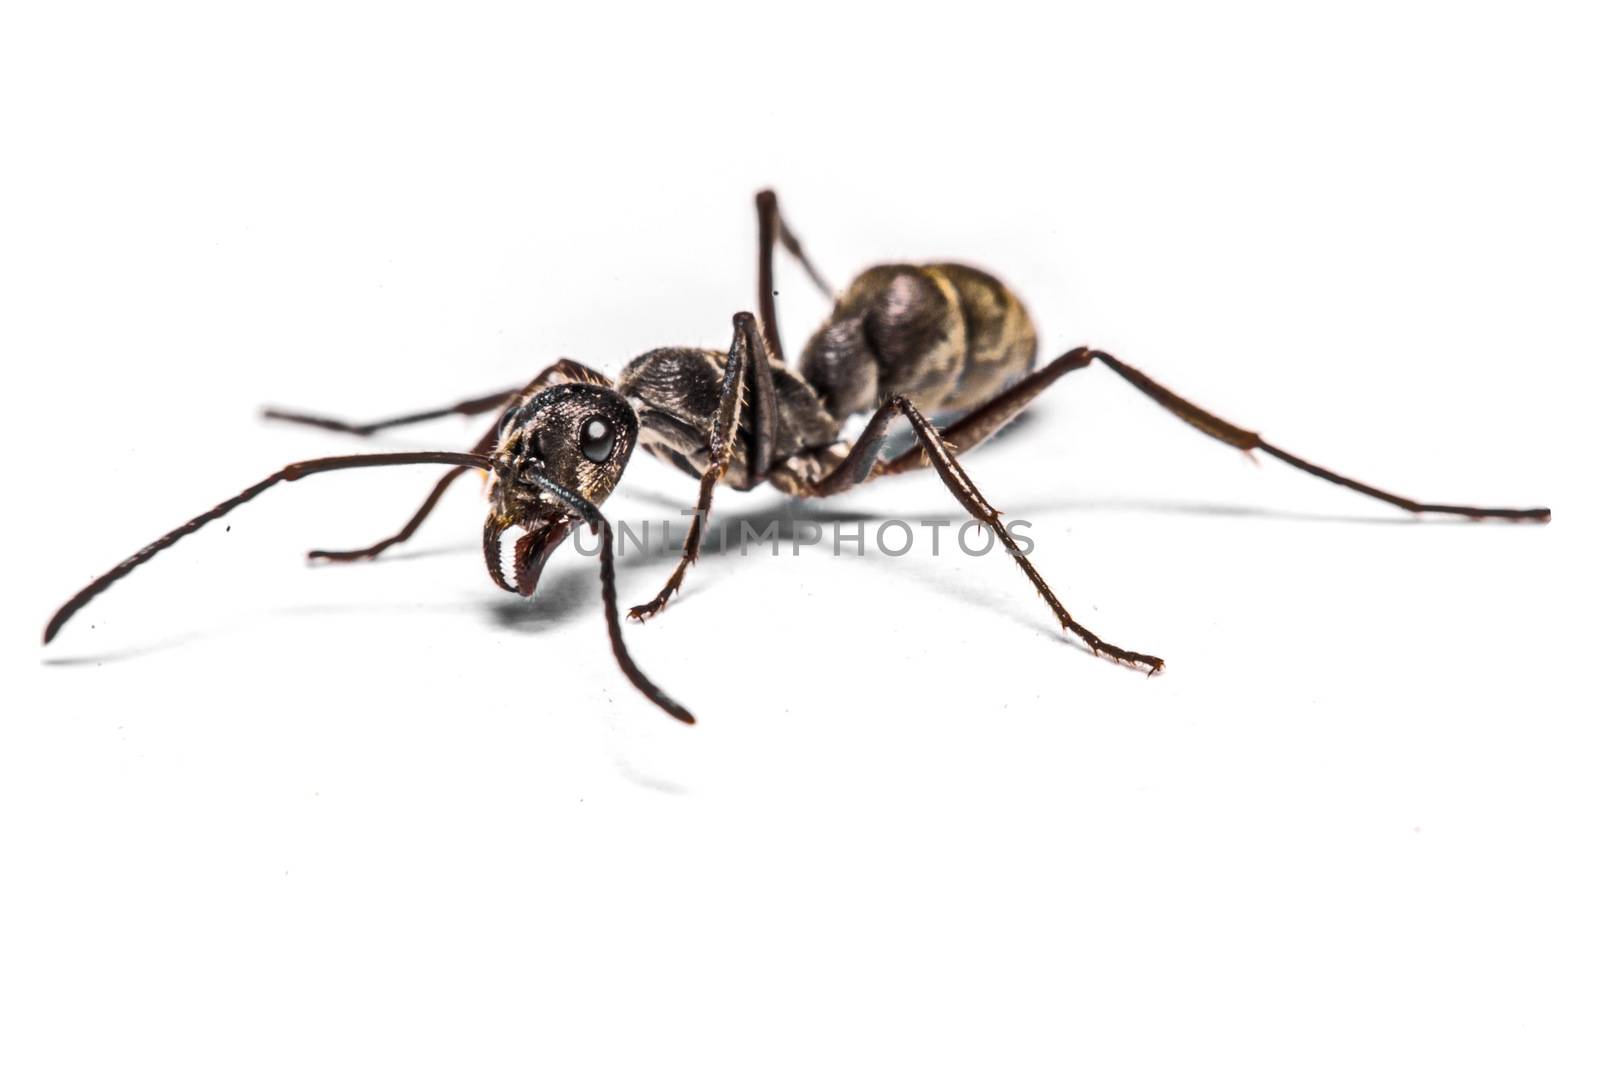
[{"x": 902, "y": 342}]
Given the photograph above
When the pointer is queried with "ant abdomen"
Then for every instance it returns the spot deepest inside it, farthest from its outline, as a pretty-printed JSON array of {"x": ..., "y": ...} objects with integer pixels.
[{"x": 944, "y": 335}]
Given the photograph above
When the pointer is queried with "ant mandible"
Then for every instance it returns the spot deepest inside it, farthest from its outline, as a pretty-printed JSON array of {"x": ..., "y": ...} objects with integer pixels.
[{"x": 902, "y": 342}]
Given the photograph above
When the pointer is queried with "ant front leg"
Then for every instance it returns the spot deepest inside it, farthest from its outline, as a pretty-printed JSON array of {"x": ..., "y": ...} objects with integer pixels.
[
  {"x": 747, "y": 369},
  {"x": 860, "y": 464}
]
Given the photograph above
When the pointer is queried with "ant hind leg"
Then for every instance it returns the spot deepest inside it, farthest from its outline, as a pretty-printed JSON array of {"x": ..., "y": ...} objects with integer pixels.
[{"x": 860, "y": 464}]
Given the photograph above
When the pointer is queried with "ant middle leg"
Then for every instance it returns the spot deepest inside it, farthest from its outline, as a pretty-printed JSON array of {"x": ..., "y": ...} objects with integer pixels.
[
  {"x": 773, "y": 230},
  {"x": 860, "y": 464}
]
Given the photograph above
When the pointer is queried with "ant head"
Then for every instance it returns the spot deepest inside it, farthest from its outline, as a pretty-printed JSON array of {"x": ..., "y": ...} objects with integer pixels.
[{"x": 562, "y": 449}]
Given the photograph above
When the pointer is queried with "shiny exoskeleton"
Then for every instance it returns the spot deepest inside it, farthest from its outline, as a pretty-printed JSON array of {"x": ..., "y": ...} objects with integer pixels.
[
  {"x": 944, "y": 336},
  {"x": 902, "y": 341}
]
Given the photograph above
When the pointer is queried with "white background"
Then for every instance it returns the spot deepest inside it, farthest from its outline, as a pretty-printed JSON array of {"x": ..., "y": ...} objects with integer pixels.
[{"x": 253, "y": 811}]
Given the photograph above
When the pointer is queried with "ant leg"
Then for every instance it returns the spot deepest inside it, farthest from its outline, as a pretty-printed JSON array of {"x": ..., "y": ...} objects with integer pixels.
[
  {"x": 860, "y": 463},
  {"x": 977, "y": 426},
  {"x": 984, "y": 421},
  {"x": 772, "y": 230},
  {"x": 745, "y": 352},
  {"x": 1246, "y": 440},
  {"x": 565, "y": 370},
  {"x": 763, "y": 399},
  {"x": 293, "y": 472},
  {"x": 562, "y": 371},
  {"x": 350, "y": 555}
]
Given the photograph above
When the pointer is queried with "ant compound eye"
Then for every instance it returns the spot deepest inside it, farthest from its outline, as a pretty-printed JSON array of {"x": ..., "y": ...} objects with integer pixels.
[
  {"x": 597, "y": 438},
  {"x": 506, "y": 420}
]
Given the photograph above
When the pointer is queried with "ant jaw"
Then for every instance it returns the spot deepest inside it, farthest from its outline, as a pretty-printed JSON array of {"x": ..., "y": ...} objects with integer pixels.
[
  {"x": 534, "y": 548},
  {"x": 544, "y": 534}
]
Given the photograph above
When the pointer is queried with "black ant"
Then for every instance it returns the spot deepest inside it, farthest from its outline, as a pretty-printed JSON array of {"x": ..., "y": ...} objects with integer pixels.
[{"x": 902, "y": 342}]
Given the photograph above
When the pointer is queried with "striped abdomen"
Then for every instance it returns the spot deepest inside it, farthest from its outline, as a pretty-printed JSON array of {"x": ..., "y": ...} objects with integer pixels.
[{"x": 946, "y": 336}]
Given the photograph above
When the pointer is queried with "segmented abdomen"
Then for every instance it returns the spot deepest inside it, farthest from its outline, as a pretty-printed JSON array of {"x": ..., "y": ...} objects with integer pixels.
[{"x": 946, "y": 335}]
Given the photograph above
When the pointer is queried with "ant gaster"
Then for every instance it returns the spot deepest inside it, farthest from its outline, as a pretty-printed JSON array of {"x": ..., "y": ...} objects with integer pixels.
[{"x": 902, "y": 342}]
